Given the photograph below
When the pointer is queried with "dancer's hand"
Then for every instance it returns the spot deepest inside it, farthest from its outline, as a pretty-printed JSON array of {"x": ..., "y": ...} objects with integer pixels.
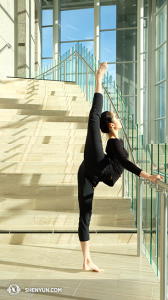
[
  {"x": 154, "y": 177},
  {"x": 138, "y": 166}
]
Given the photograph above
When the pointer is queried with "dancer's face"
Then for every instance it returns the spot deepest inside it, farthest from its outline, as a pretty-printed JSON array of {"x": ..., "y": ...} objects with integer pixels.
[{"x": 116, "y": 122}]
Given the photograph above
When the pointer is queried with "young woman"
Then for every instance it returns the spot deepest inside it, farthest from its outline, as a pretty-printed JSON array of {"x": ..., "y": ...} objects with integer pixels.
[{"x": 97, "y": 166}]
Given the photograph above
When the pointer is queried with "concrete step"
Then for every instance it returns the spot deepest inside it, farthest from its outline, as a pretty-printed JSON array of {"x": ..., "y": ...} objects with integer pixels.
[
  {"x": 55, "y": 157},
  {"x": 65, "y": 220}
]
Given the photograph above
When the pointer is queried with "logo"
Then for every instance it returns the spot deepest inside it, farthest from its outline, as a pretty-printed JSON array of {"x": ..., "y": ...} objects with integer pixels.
[{"x": 14, "y": 289}]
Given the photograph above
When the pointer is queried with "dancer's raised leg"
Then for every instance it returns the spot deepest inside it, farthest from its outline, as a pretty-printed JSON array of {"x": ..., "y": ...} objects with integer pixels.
[{"x": 88, "y": 263}]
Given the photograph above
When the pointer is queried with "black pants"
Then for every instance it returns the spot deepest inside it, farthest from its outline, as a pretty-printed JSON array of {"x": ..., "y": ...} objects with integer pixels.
[{"x": 90, "y": 170}]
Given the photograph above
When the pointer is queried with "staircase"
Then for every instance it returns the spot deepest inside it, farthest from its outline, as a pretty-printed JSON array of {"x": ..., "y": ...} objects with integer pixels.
[{"x": 43, "y": 127}]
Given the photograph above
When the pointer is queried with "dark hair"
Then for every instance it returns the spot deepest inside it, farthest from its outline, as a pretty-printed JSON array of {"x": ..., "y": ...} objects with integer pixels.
[{"x": 105, "y": 119}]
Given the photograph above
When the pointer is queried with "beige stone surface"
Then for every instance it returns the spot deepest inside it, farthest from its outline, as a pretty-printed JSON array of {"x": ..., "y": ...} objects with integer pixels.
[
  {"x": 43, "y": 130},
  {"x": 125, "y": 275}
]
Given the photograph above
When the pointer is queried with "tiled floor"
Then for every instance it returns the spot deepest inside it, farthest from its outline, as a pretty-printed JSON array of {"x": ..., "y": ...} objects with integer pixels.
[{"x": 125, "y": 275}]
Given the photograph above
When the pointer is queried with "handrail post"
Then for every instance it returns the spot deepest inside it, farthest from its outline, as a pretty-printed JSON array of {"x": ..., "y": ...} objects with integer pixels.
[
  {"x": 86, "y": 83},
  {"x": 163, "y": 246},
  {"x": 64, "y": 71},
  {"x": 123, "y": 177},
  {"x": 76, "y": 67},
  {"x": 139, "y": 217}
]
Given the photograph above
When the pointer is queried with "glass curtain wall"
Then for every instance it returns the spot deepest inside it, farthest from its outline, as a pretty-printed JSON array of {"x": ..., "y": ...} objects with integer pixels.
[
  {"x": 47, "y": 35},
  {"x": 160, "y": 56},
  {"x": 154, "y": 91},
  {"x": 118, "y": 46}
]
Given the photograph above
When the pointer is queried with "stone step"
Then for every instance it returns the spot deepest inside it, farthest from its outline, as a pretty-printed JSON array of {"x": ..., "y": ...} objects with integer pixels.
[
  {"x": 43, "y": 99},
  {"x": 47, "y": 180},
  {"x": 44, "y": 148},
  {"x": 57, "y": 109},
  {"x": 51, "y": 105},
  {"x": 55, "y": 157},
  {"x": 47, "y": 140},
  {"x": 59, "y": 203},
  {"x": 31, "y": 112},
  {"x": 54, "y": 190},
  {"x": 48, "y": 125},
  {"x": 65, "y": 220},
  {"x": 42, "y": 132},
  {"x": 25, "y": 93},
  {"x": 41, "y": 87}
]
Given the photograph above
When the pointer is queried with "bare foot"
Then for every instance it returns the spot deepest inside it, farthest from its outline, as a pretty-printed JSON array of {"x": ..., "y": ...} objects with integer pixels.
[
  {"x": 89, "y": 265},
  {"x": 102, "y": 70}
]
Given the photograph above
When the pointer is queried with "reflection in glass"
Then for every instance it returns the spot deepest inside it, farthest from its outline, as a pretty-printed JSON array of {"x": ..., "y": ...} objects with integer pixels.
[
  {"x": 47, "y": 17},
  {"x": 126, "y": 78},
  {"x": 126, "y": 45},
  {"x": 117, "y": 46},
  {"x": 161, "y": 63},
  {"x": 160, "y": 129},
  {"x": 159, "y": 3},
  {"x": 118, "y": 15},
  {"x": 160, "y": 103},
  {"x": 161, "y": 23},
  {"x": 47, "y": 41},
  {"x": 145, "y": 8}
]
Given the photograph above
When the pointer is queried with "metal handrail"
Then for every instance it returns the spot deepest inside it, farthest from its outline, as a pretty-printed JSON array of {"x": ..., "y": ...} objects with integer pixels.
[
  {"x": 105, "y": 90},
  {"x": 7, "y": 45}
]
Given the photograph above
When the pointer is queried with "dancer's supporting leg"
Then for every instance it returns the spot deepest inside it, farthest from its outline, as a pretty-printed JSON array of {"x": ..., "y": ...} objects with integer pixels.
[{"x": 88, "y": 264}]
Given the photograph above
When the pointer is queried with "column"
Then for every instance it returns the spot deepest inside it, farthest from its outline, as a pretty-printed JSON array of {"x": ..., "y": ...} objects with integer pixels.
[
  {"x": 56, "y": 29},
  {"x": 16, "y": 38},
  {"x": 26, "y": 38},
  {"x": 38, "y": 13},
  {"x": 97, "y": 30},
  {"x": 166, "y": 137}
]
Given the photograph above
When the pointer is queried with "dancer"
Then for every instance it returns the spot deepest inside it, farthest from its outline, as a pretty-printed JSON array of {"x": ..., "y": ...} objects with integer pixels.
[{"x": 97, "y": 166}]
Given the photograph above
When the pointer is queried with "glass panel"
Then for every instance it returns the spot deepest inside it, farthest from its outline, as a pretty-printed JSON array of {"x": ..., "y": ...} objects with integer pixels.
[
  {"x": 161, "y": 23},
  {"x": 145, "y": 69},
  {"x": 46, "y": 61},
  {"x": 145, "y": 8},
  {"x": 126, "y": 78},
  {"x": 128, "y": 39},
  {"x": 108, "y": 46},
  {"x": 161, "y": 63},
  {"x": 159, "y": 3},
  {"x": 77, "y": 24},
  {"x": 160, "y": 102},
  {"x": 145, "y": 116},
  {"x": 145, "y": 35},
  {"x": 118, "y": 15},
  {"x": 122, "y": 42},
  {"x": 47, "y": 17},
  {"x": 47, "y": 42},
  {"x": 132, "y": 102},
  {"x": 108, "y": 17},
  {"x": 160, "y": 129}
]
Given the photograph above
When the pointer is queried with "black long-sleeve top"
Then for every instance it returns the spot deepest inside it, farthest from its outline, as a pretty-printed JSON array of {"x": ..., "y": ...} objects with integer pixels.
[{"x": 118, "y": 157}]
